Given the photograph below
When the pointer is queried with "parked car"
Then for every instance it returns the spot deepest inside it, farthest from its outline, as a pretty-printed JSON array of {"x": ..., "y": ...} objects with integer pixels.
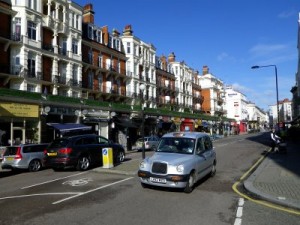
[
  {"x": 24, "y": 156},
  {"x": 151, "y": 143},
  {"x": 80, "y": 151},
  {"x": 180, "y": 160}
]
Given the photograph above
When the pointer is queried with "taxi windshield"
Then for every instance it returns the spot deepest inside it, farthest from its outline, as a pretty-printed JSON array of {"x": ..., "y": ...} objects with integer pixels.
[{"x": 176, "y": 145}]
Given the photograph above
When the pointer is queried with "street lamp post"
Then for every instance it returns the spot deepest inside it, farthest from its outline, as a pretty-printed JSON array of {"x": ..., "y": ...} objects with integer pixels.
[
  {"x": 142, "y": 88},
  {"x": 277, "y": 103}
]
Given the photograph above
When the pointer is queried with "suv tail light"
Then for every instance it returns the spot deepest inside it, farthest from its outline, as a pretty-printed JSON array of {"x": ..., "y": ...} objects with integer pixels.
[
  {"x": 18, "y": 154},
  {"x": 65, "y": 150}
]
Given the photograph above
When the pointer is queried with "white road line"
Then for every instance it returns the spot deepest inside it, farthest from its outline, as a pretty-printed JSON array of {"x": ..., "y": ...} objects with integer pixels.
[
  {"x": 83, "y": 193},
  {"x": 239, "y": 212},
  {"x": 238, "y": 221},
  {"x": 42, "y": 194},
  {"x": 46, "y": 182}
]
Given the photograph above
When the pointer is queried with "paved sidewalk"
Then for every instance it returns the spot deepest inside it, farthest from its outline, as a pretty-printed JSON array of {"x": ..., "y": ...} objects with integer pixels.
[
  {"x": 277, "y": 178},
  {"x": 129, "y": 167}
]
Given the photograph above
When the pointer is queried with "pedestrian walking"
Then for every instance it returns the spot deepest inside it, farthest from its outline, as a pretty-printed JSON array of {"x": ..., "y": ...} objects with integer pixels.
[{"x": 275, "y": 140}]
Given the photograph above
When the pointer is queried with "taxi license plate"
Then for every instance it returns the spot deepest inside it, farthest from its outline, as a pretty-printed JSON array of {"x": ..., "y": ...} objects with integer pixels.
[
  {"x": 52, "y": 153},
  {"x": 158, "y": 180}
]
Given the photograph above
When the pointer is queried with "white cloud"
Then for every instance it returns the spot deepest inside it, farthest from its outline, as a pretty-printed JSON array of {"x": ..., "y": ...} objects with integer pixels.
[
  {"x": 241, "y": 88},
  {"x": 265, "y": 54},
  {"x": 225, "y": 56},
  {"x": 260, "y": 50},
  {"x": 286, "y": 14}
]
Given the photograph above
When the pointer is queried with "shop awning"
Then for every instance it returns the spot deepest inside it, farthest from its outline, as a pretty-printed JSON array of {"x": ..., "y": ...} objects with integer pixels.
[
  {"x": 67, "y": 127},
  {"x": 126, "y": 123}
]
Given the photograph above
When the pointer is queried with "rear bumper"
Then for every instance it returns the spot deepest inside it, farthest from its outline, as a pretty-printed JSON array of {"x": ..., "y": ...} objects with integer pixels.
[
  {"x": 60, "y": 163},
  {"x": 13, "y": 166}
]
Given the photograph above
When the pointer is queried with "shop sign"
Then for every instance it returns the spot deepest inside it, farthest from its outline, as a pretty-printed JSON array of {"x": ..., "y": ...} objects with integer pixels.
[
  {"x": 98, "y": 113},
  {"x": 177, "y": 120},
  {"x": 19, "y": 110}
]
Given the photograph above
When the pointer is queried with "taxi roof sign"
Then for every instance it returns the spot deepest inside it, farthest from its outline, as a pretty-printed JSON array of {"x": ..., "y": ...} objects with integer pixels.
[{"x": 178, "y": 134}]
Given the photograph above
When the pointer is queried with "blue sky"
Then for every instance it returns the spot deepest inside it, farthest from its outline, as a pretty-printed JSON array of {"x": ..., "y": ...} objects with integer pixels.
[{"x": 229, "y": 36}]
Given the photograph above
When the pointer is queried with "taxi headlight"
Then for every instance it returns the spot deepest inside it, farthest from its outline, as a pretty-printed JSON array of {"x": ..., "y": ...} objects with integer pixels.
[
  {"x": 180, "y": 168},
  {"x": 142, "y": 165}
]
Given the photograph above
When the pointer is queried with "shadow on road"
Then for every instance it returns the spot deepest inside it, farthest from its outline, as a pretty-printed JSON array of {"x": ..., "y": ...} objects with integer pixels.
[{"x": 289, "y": 160}]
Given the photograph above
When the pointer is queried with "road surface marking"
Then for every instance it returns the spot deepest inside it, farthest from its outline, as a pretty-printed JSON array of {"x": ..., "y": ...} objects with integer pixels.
[
  {"x": 46, "y": 182},
  {"x": 42, "y": 194},
  {"x": 79, "y": 182},
  {"x": 96, "y": 189},
  {"x": 239, "y": 212}
]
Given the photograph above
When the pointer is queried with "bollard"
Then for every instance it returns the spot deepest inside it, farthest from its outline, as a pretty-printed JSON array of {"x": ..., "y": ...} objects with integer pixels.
[{"x": 107, "y": 158}]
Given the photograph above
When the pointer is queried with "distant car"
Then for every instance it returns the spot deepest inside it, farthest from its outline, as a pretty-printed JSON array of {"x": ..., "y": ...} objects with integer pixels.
[
  {"x": 180, "y": 160},
  {"x": 80, "y": 152},
  {"x": 24, "y": 156},
  {"x": 151, "y": 143}
]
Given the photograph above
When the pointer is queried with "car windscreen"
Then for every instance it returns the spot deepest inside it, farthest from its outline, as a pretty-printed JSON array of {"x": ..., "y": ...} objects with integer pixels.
[{"x": 176, "y": 145}]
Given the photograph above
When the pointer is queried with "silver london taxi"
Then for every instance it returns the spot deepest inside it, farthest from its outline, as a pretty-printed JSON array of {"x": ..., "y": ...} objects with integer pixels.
[{"x": 180, "y": 160}]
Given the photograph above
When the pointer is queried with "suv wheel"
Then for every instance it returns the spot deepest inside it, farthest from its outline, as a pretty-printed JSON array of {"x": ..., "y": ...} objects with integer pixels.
[
  {"x": 34, "y": 165},
  {"x": 83, "y": 163},
  {"x": 121, "y": 156}
]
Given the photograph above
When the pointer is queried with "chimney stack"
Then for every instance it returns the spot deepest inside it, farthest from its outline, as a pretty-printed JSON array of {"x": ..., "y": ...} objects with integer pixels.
[
  {"x": 127, "y": 30},
  {"x": 88, "y": 14},
  {"x": 205, "y": 70},
  {"x": 163, "y": 60},
  {"x": 171, "y": 57}
]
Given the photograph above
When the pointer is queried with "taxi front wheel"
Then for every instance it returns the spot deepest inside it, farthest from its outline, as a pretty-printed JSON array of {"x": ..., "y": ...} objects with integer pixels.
[{"x": 190, "y": 183}]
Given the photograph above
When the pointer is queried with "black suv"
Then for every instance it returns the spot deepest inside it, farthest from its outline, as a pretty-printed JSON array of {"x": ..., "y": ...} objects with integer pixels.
[{"x": 81, "y": 152}]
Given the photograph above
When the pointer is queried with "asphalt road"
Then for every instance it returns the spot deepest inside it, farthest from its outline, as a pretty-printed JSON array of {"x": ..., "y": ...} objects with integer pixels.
[{"x": 70, "y": 197}]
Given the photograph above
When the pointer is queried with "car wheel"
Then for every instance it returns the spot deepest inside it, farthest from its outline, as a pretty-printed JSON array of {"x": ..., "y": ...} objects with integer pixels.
[
  {"x": 83, "y": 163},
  {"x": 121, "y": 156},
  {"x": 190, "y": 183},
  {"x": 34, "y": 165},
  {"x": 213, "y": 169}
]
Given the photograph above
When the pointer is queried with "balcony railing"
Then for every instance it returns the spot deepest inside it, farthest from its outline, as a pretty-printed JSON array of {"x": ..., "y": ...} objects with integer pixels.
[
  {"x": 16, "y": 37},
  {"x": 74, "y": 83},
  {"x": 48, "y": 47},
  {"x": 60, "y": 79},
  {"x": 62, "y": 51}
]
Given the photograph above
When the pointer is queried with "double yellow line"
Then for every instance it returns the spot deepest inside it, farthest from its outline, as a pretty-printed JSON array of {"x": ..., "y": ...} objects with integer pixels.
[{"x": 271, "y": 205}]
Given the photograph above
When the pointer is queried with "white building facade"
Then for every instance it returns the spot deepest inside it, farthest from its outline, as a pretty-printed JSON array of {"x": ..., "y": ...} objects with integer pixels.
[
  {"x": 236, "y": 106},
  {"x": 140, "y": 67},
  {"x": 213, "y": 92},
  {"x": 285, "y": 112},
  {"x": 183, "y": 82},
  {"x": 49, "y": 48},
  {"x": 257, "y": 118}
]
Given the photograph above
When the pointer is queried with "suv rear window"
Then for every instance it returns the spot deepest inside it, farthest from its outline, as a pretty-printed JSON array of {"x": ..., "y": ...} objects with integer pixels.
[
  {"x": 34, "y": 148},
  {"x": 11, "y": 150},
  {"x": 59, "y": 143}
]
